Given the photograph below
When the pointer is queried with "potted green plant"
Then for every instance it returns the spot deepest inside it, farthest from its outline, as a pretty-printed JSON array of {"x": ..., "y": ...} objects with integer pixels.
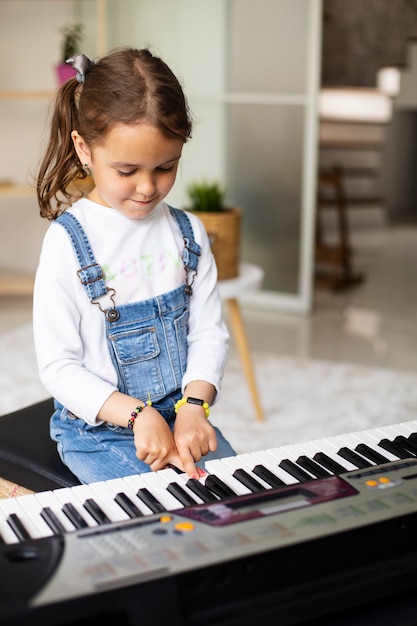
[
  {"x": 222, "y": 223},
  {"x": 70, "y": 46}
]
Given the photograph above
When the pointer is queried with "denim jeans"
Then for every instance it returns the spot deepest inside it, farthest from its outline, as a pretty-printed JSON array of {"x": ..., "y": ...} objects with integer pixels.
[{"x": 97, "y": 453}]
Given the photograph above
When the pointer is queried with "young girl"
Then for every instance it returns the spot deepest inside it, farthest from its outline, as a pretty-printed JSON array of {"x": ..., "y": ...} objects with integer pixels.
[{"x": 128, "y": 330}]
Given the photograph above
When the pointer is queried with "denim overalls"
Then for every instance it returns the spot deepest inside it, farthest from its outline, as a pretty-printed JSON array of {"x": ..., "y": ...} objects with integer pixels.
[{"x": 147, "y": 341}]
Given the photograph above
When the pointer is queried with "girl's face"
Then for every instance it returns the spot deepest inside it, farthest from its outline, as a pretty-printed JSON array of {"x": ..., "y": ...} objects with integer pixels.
[{"x": 133, "y": 169}]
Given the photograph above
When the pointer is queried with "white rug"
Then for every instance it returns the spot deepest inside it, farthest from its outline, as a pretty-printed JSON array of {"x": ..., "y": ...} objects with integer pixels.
[{"x": 303, "y": 399}]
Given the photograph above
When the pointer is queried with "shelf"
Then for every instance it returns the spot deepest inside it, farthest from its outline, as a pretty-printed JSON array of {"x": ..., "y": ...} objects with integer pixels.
[
  {"x": 12, "y": 284},
  {"x": 9, "y": 190},
  {"x": 25, "y": 94}
]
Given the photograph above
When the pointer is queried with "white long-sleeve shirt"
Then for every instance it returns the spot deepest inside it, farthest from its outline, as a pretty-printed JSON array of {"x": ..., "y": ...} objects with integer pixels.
[{"x": 140, "y": 259}]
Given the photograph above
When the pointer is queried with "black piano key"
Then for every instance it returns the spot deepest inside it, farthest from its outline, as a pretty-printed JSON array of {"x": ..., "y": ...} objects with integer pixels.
[
  {"x": 311, "y": 466},
  {"x": 52, "y": 520},
  {"x": 333, "y": 466},
  {"x": 182, "y": 496},
  {"x": 74, "y": 515},
  {"x": 201, "y": 490},
  {"x": 246, "y": 479},
  {"x": 295, "y": 471},
  {"x": 268, "y": 476},
  {"x": 127, "y": 505},
  {"x": 18, "y": 527},
  {"x": 394, "y": 448},
  {"x": 371, "y": 454},
  {"x": 218, "y": 487},
  {"x": 355, "y": 458},
  {"x": 407, "y": 444},
  {"x": 96, "y": 511},
  {"x": 150, "y": 500}
]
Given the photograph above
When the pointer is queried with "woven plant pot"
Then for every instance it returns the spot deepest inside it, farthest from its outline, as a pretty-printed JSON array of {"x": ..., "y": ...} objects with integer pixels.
[{"x": 224, "y": 232}]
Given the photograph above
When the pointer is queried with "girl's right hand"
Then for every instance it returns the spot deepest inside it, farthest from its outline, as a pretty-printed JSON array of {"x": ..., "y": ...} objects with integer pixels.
[{"x": 154, "y": 440}]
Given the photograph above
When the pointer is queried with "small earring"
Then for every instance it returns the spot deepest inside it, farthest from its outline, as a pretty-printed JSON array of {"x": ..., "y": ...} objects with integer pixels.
[{"x": 85, "y": 164}]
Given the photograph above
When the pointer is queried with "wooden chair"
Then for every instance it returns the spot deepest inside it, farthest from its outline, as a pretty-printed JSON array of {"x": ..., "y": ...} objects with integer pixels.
[{"x": 334, "y": 265}]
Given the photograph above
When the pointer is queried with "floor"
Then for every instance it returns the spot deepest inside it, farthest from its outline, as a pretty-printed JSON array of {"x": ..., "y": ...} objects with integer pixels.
[{"x": 370, "y": 324}]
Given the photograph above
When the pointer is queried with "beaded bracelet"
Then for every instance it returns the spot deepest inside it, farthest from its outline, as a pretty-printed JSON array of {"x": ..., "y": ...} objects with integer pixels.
[
  {"x": 189, "y": 400},
  {"x": 136, "y": 412}
]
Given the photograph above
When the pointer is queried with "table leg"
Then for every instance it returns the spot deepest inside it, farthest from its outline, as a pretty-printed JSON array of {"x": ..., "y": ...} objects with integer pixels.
[{"x": 241, "y": 339}]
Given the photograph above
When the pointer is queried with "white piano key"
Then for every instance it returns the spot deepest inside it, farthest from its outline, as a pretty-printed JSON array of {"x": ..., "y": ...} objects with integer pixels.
[
  {"x": 350, "y": 442},
  {"x": 9, "y": 506},
  {"x": 117, "y": 485},
  {"x": 171, "y": 476},
  {"x": 32, "y": 507},
  {"x": 6, "y": 532},
  {"x": 104, "y": 494},
  {"x": 371, "y": 440},
  {"x": 158, "y": 487},
  {"x": 271, "y": 462},
  {"x": 246, "y": 462},
  {"x": 224, "y": 472},
  {"x": 77, "y": 496},
  {"x": 49, "y": 498},
  {"x": 330, "y": 447},
  {"x": 281, "y": 454}
]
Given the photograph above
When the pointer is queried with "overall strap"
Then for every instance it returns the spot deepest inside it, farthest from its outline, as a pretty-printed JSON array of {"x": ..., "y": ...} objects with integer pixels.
[
  {"x": 192, "y": 249},
  {"x": 90, "y": 272}
]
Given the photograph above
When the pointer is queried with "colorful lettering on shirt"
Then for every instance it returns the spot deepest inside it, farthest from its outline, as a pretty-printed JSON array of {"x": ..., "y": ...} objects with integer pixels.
[{"x": 152, "y": 263}]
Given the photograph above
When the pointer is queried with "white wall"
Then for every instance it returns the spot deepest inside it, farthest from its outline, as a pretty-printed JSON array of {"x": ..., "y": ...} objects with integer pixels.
[{"x": 194, "y": 37}]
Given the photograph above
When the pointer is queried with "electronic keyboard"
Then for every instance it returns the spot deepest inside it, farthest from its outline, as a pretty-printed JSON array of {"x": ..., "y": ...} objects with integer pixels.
[{"x": 297, "y": 532}]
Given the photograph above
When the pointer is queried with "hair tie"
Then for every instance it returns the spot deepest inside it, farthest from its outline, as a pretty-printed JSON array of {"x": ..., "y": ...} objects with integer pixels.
[{"x": 82, "y": 64}]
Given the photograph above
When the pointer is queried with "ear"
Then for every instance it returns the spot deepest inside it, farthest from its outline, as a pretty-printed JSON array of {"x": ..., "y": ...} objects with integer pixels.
[{"x": 81, "y": 148}]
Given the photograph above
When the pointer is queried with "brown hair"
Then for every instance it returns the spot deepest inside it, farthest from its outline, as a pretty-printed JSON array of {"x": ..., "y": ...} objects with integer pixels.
[{"x": 127, "y": 86}]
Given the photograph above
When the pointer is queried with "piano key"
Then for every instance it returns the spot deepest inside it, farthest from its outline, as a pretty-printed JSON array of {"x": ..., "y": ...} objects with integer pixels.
[
  {"x": 292, "y": 468},
  {"x": 18, "y": 527},
  {"x": 352, "y": 443},
  {"x": 219, "y": 487},
  {"x": 158, "y": 485},
  {"x": 353, "y": 457},
  {"x": 128, "y": 505},
  {"x": 249, "y": 481},
  {"x": 177, "y": 486},
  {"x": 326, "y": 461},
  {"x": 372, "y": 439},
  {"x": 312, "y": 467},
  {"x": 223, "y": 471},
  {"x": 137, "y": 483},
  {"x": 74, "y": 515},
  {"x": 407, "y": 444},
  {"x": 394, "y": 448},
  {"x": 33, "y": 508},
  {"x": 76, "y": 496},
  {"x": 120, "y": 485},
  {"x": 371, "y": 454},
  {"x": 52, "y": 520},
  {"x": 242, "y": 466},
  {"x": 267, "y": 476},
  {"x": 49, "y": 499},
  {"x": 201, "y": 490},
  {"x": 96, "y": 511},
  {"x": 182, "y": 496},
  {"x": 10, "y": 506},
  {"x": 270, "y": 462},
  {"x": 105, "y": 495},
  {"x": 149, "y": 500},
  {"x": 331, "y": 446}
]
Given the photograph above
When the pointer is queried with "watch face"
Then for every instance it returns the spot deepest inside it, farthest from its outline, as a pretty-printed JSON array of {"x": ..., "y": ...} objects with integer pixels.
[{"x": 195, "y": 401}]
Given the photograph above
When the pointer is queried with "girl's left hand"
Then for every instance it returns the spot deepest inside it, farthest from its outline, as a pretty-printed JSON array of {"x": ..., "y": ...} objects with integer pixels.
[{"x": 194, "y": 437}]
